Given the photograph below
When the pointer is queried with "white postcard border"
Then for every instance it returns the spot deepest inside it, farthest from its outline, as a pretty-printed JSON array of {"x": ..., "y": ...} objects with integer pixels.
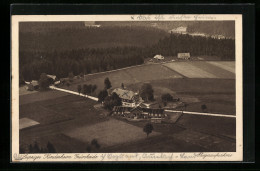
[{"x": 99, "y": 157}]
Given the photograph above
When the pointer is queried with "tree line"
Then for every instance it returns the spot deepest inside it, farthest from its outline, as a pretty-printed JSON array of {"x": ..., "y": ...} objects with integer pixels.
[
  {"x": 36, "y": 148},
  {"x": 92, "y": 60}
]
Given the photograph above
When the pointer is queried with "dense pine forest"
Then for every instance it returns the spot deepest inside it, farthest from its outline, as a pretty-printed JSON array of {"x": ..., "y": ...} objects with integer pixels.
[{"x": 91, "y": 50}]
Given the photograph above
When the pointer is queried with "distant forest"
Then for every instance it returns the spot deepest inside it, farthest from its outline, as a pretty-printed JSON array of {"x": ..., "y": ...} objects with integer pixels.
[{"x": 91, "y": 50}]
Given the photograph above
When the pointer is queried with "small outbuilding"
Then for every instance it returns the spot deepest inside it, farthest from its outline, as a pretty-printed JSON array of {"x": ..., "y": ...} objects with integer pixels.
[
  {"x": 183, "y": 55},
  {"x": 33, "y": 85},
  {"x": 158, "y": 57},
  {"x": 52, "y": 77}
]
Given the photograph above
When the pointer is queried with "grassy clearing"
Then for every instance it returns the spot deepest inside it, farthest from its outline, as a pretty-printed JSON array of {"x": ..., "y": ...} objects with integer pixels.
[
  {"x": 59, "y": 109},
  {"x": 109, "y": 133},
  {"x": 127, "y": 76},
  {"x": 40, "y": 96},
  {"x": 42, "y": 114},
  {"x": 210, "y": 124}
]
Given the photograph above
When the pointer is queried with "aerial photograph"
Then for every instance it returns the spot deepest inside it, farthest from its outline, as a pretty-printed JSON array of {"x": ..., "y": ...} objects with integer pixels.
[{"x": 127, "y": 86}]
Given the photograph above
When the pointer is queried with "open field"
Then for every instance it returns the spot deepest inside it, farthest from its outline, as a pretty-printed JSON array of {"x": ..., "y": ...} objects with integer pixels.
[
  {"x": 151, "y": 72},
  {"x": 217, "y": 94},
  {"x": 229, "y": 66},
  {"x": 109, "y": 133},
  {"x": 215, "y": 70},
  {"x": 209, "y": 124},
  {"x": 201, "y": 69},
  {"x": 40, "y": 96},
  {"x": 57, "y": 109},
  {"x": 188, "y": 70},
  {"x": 127, "y": 76},
  {"x": 183, "y": 137}
]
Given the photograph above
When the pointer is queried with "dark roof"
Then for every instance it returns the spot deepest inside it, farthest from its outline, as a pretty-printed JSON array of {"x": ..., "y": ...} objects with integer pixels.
[{"x": 124, "y": 94}]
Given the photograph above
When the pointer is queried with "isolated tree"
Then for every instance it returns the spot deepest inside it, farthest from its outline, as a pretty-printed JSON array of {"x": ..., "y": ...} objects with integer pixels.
[
  {"x": 44, "y": 82},
  {"x": 111, "y": 101},
  {"x": 167, "y": 97},
  {"x": 148, "y": 128},
  {"x": 51, "y": 148},
  {"x": 85, "y": 89},
  {"x": 93, "y": 88},
  {"x": 146, "y": 92},
  {"x": 43, "y": 150},
  {"x": 122, "y": 86},
  {"x": 67, "y": 84},
  {"x": 95, "y": 143},
  {"x": 63, "y": 81},
  {"x": 107, "y": 83},
  {"x": 71, "y": 76},
  {"x": 89, "y": 88},
  {"x": 79, "y": 88},
  {"x": 31, "y": 149},
  {"x": 203, "y": 108},
  {"x": 102, "y": 95},
  {"x": 36, "y": 148},
  {"x": 88, "y": 148},
  {"x": 185, "y": 105}
]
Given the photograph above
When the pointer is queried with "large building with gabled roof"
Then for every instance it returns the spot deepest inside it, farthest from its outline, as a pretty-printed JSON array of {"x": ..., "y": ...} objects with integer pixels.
[{"x": 128, "y": 97}]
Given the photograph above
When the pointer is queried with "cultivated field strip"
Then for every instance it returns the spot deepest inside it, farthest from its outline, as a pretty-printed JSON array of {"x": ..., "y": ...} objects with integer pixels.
[
  {"x": 189, "y": 70},
  {"x": 214, "y": 69},
  {"x": 226, "y": 65},
  {"x": 26, "y": 122}
]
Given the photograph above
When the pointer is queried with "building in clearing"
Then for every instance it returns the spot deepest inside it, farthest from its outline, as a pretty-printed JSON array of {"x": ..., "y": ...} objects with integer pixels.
[
  {"x": 183, "y": 55},
  {"x": 129, "y": 98},
  {"x": 52, "y": 77},
  {"x": 33, "y": 85},
  {"x": 158, "y": 57}
]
